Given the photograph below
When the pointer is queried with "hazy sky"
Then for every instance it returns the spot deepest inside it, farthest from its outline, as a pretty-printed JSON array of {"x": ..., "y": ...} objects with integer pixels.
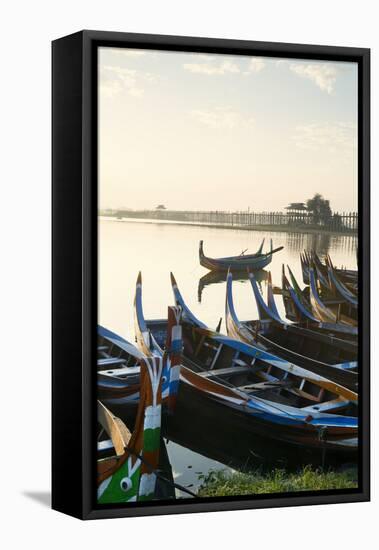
[{"x": 220, "y": 132}]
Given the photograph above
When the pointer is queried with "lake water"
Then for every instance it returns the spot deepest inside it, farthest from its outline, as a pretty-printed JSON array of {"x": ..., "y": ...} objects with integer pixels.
[{"x": 156, "y": 248}]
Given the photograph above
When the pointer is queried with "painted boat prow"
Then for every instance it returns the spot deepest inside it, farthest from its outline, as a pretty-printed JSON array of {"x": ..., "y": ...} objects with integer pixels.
[
  {"x": 295, "y": 293},
  {"x": 146, "y": 341},
  {"x": 270, "y": 298},
  {"x": 179, "y": 301},
  {"x": 170, "y": 356},
  {"x": 264, "y": 311},
  {"x": 230, "y": 312},
  {"x": 341, "y": 288}
]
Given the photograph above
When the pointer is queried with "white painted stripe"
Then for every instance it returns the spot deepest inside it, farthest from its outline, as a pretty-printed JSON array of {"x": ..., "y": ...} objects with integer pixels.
[
  {"x": 176, "y": 333},
  {"x": 152, "y": 417},
  {"x": 135, "y": 466},
  {"x": 104, "y": 445},
  {"x": 175, "y": 373},
  {"x": 103, "y": 485},
  {"x": 147, "y": 484}
]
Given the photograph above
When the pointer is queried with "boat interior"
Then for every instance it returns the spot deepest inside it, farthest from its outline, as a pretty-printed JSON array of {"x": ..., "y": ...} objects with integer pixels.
[
  {"x": 306, "y": 344},
  {"x": 214, "y": 361},
  {"x": 116, "y": 364}
]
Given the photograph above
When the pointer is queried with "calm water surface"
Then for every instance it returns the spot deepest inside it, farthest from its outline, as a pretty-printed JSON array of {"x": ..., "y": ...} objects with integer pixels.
[{"x": 155, "y": 248}]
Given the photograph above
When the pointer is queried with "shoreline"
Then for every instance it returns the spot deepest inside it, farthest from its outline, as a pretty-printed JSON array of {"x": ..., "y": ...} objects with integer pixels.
[{"x": 266, "y": 227}]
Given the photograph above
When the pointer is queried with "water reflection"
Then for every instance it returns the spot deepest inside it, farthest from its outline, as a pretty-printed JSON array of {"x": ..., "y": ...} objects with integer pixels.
[
  {"x": 216, "y": 277},
  {"x": 321, "y": 243}
]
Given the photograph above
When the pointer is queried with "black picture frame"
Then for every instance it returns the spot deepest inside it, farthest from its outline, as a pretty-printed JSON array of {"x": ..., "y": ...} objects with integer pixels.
[{"x": 74, "y": 270}]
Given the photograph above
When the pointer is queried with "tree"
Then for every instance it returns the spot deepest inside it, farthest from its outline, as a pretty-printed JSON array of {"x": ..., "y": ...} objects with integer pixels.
[
  {"x": 337, "y": 221},
  {"x": 320, "y": 209}
]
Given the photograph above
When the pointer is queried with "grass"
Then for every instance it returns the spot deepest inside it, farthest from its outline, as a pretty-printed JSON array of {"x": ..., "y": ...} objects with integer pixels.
[{"x": 226, "y": 483}]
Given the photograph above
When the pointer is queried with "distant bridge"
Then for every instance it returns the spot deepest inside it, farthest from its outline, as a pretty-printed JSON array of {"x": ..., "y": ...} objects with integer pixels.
[{"x": 338, "y": 222}]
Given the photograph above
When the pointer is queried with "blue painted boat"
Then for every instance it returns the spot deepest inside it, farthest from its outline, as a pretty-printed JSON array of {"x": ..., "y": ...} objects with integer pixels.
[
  {"x": 118, "y": 371},
  {"x": 299, "y": 310},
  {"x": 256, "y": 261},
  {"x": 323, "y": 354},
  {"x": 279, "y": 400},
  {"x": 331, "y": 313},
  {"x": 339, "y": 288}
]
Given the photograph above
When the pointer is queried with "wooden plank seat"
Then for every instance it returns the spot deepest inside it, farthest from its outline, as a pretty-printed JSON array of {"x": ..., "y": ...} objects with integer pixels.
[
  {"x": 225, "y": 372},
  {"x": 124, "y": 371},
  {"x": 267, "y": 385},
  {"x": 105, "y": 445},
  {"x": 252, "y": 367},
  {"x": 212, "y": 346},
  {"x": 327, "y": 406},
  {"x": 109, "y": 362},
  {"x": 239, "y": 362},
  {"x": 113, "y": 382}
]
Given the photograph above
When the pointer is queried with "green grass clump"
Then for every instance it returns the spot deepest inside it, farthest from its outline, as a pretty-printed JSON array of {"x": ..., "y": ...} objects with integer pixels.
[{"x": 225, "y": 483}]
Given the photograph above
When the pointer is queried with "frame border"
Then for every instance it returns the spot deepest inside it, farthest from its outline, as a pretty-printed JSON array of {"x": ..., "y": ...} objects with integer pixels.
[{"x": 74, "y": 203}]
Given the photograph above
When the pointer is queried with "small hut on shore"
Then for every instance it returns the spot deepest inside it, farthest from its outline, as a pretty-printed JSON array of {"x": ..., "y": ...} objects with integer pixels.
[{"x": 297, "y": 213}]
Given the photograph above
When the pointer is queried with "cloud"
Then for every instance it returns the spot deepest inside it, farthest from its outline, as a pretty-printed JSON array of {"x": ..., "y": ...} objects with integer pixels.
[
  {"x": 115, "y": 79},
  {"x": 256, "y": 64},
  {"x": 328, "y": 136},
  {"x": 209, "y": 65},
  {"x": 212, "y": 67},
  {"x": 219, "y": 118},
  {"x": 324, "y": 75}
]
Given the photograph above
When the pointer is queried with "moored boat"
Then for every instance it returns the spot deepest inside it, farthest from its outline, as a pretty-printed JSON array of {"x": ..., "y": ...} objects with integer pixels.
[
  {"x": 256, "y": 261},
  {"x": 331, "y": 313},
  {"x": 119, "y": 371},
  {"x": 299, "y": 310},
  {"x": 339, "y": 288},
  {"x": 278, "y": 399},
  {"x": 328, "y": 356},
  {"x": 308, "y": 259}
]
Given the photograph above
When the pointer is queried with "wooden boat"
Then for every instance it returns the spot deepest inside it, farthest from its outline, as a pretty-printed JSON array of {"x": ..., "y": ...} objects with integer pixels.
[
  {"x": 328, "y": 356},
  {"x": 256, "y": 261},
  {"x": 339, "y": 288},
  {"x": 331, "y": 313},
  {"x": 278, "y": 399},
  {"x": 204, "y": 427},
  {"x": 334, "y": 294},
  {"x": 128, "y": 473},
  {"x": 299, "y": 310},
  {"x": 308, "y": 259},
  {"x": 119, "y": 370}
]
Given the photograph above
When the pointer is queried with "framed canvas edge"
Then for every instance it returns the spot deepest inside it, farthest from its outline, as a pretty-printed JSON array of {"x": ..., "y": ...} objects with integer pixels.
[{"x": 93, "y": 39}]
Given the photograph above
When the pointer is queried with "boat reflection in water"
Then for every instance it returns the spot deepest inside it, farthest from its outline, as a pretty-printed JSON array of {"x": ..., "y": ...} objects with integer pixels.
[{"x": 216, "y": 277}]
